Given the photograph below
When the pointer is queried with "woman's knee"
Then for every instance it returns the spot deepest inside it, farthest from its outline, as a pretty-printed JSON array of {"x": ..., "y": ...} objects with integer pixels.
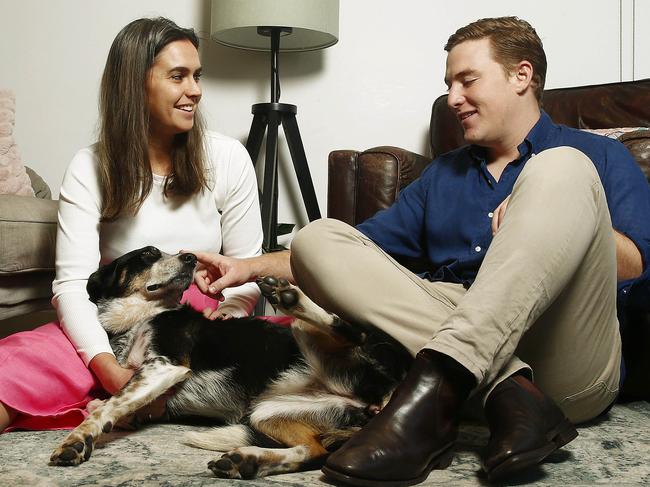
[{"x": 7, "y": 416}]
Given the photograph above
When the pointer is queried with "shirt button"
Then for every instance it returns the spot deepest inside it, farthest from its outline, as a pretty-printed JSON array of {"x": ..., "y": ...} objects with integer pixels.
[
  {"x": 490, "y": 215},
  {"x": 477, "y": 248}
]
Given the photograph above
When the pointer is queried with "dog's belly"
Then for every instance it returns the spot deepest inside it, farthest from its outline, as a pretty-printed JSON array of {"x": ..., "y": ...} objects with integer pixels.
[{"x": 211, "y": 394}]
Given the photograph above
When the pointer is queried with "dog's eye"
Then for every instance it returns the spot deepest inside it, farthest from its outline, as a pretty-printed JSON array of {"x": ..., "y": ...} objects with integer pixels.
[{"x": 153, "y": 287}]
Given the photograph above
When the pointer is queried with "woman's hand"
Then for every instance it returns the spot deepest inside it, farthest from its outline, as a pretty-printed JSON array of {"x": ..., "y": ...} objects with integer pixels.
[
  {"x": 114, "y": 377},
  {"x": 109, "y": 372},
  {"x": 154, "y": 411},
  {"x": 215, "y": 314}
]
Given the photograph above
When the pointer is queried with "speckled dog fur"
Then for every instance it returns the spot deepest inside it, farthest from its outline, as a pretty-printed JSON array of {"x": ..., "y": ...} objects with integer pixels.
[{"x": 287, "y": 396}]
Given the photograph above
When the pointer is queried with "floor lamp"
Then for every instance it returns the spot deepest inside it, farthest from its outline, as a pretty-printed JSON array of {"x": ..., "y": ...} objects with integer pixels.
[{"x": 277, "y": 26}]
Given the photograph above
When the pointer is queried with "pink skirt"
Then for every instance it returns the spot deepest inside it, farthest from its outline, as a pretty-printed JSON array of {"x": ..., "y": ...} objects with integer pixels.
[{"x": 47, "y": 383}]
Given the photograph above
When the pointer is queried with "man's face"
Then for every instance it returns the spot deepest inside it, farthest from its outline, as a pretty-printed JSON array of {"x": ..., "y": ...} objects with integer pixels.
[{"x": 481, "y": 94}]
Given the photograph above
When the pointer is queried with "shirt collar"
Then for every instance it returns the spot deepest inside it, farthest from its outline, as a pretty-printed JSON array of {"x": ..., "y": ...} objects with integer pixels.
[
  {"x": 532, "y": 143},
  {"x": 539, "y": 134}
]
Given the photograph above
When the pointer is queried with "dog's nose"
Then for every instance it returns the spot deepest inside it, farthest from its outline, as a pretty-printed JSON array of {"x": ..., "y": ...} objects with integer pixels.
[{"x": 188, "y": 258}]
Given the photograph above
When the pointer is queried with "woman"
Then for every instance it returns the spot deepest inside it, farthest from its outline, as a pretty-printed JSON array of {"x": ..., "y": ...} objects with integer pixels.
[{"x": 153, "y": 178}]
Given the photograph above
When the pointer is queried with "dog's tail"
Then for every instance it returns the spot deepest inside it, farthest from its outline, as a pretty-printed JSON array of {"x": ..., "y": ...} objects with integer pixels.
[{"x": 226, "y": 438}]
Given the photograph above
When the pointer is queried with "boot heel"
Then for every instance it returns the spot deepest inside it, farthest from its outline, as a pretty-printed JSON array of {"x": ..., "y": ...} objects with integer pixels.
[{"x": 567, "y": 433}]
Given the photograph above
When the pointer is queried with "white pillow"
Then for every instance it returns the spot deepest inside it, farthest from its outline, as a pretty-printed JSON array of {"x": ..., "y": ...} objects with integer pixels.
[{"x": 614, "y": 133}]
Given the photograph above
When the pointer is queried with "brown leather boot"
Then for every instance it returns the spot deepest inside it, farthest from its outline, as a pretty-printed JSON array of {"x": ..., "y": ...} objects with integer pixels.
[
  {"x": 414, "y": 433},
  {"x": 525, "y": 427}
]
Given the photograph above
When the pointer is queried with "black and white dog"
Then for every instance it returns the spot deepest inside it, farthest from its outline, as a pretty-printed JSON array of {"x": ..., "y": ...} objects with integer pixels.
[{"x": 287, "y": 396}]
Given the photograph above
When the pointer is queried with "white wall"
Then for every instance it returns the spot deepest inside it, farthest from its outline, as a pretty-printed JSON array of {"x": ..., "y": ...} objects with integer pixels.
[
  {"x": 641, "y": 35},
  {"x": 375, "y": 87}
]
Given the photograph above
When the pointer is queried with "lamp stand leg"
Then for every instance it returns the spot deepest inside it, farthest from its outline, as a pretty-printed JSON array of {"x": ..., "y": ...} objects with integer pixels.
[
  {"x": 300, "y": 165},
  {"x": 255, "y": 136},
  {"x": 267, "y": 118},
  {"x": 269, "y": 190}
]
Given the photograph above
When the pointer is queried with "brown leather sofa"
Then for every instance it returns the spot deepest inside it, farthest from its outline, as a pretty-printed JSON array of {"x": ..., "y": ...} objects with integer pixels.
[{"x": 361, "y": 183}]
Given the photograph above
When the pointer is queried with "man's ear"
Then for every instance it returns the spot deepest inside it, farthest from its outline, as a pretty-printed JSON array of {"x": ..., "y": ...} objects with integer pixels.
[
  {"x": 522, "y": 75},
  {"x": 102, "y": 282}
]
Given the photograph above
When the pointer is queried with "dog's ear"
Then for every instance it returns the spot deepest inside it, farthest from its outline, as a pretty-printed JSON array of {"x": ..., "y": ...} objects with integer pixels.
[
  {"x": 109, "y": 281},
  {"x": 102, "y": 282}
]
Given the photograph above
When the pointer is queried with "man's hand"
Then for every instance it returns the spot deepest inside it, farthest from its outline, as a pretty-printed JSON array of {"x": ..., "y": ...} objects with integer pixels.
[
  {"x": 217, "y": 272},
  {"x": 498, "y": 214},
  {"x": 629, "y": 264}
]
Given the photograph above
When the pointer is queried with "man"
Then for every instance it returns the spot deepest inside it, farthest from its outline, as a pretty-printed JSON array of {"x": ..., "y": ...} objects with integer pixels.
[{"x": 524, "y": 257}]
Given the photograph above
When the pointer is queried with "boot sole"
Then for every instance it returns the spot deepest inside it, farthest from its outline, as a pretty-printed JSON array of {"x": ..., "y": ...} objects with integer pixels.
[
  {"x": 559, "y": 436},
  {"x": 440, "y": 462}
]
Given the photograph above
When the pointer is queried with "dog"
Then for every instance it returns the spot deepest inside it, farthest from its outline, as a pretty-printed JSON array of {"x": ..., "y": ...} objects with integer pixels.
[{"x": 285, "y": 397}]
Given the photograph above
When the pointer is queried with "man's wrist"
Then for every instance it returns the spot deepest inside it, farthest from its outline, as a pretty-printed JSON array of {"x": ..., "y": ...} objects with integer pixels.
[{"x": 275, "y": 264}]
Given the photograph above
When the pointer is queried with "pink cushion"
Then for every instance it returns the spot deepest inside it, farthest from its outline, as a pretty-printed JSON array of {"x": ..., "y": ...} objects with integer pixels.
[
  {"x": 200, "y": 301},
  {"x": 50, "y": 389}
]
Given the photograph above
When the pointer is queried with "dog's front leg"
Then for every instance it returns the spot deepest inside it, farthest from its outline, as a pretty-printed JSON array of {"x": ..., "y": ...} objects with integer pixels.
[{"x": 150, "y": 381}]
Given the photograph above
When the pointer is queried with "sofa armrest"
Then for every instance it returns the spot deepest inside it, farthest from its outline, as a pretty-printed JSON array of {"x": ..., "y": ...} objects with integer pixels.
[
  {"x": 638, "y": 143},
  {"x": 361, "y": 183},
  {"x": 27, "y": 247},
  {"x": 27, "y": 233}
]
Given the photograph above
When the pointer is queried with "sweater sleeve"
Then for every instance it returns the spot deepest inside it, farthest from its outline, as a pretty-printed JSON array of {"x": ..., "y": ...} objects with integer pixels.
[
  {"x": 241, "y": 225},
  {"x": 78, "y": 255}
]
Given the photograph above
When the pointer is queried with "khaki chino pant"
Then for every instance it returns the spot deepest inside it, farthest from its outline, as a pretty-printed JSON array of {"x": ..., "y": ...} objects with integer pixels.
[{"x": 544, "y": 298}]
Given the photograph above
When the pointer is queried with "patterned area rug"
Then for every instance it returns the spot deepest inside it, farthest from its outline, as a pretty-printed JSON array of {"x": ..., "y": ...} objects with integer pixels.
[{"x": 615, "y": 451}]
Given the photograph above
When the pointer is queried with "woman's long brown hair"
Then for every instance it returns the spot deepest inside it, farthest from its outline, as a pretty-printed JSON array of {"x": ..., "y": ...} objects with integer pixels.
[{"x": 125, "y": 174}]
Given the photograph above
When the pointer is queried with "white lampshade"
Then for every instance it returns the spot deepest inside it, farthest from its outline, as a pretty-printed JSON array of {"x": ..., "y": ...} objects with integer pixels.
[{"x": 314, "y": 23}]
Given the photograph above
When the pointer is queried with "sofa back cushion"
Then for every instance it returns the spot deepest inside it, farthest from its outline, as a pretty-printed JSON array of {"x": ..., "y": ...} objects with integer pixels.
[
  {"x": 13, "y": 177},
  {"x": 625, "y": 104}
]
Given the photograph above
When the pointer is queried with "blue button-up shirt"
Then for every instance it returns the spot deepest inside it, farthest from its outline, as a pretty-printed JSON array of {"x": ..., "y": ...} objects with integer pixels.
[{"x": 445, "y": 216}]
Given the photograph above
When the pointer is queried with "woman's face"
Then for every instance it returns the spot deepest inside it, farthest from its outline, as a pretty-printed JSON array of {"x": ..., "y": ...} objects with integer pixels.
[{"x": 173, "y": 90}]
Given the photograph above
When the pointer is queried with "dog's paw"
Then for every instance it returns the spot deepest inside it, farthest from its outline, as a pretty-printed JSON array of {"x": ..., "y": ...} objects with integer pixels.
[
  {"x": 278, "y": 291},
  {"x": 235, "y": 465},
  {"x": 73, "y": 451}
]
